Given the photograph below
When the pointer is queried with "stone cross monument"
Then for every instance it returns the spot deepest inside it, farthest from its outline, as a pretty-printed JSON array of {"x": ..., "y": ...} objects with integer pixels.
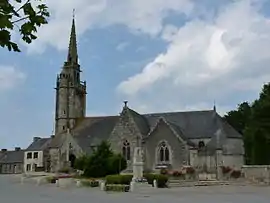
[{"x": 137, "y": 163}]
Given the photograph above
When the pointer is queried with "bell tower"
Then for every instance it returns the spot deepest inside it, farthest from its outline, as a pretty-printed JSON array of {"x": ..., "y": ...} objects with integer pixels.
[{"x": 70, "y": 90}]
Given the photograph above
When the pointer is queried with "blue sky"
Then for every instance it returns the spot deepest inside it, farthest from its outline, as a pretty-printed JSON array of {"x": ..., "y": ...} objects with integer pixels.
[{"x": 159, "y": 55}]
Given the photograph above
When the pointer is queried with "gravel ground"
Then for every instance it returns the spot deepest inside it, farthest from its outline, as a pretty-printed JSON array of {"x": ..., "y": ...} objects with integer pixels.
[{"x": 12, "y": 191}]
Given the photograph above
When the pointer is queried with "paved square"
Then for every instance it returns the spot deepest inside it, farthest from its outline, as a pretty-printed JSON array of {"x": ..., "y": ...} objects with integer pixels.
[{"x": 11, "y": 191}]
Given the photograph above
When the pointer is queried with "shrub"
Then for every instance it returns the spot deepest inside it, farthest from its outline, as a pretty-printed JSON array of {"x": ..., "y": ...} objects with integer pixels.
[
  {"x": 90, "y": 183},
  {"x": 161, "y": 181},
  {"x": 102, "y": 162},
  {"x": 160, "y": 178},
  {"x": 64, "y": 176},
  {"x": 226, "y": 169},
  {"x": 119, "y": 179},
  {"x": 190, "y": 170},
  {"x": 117, "y": 188},
  {"x": 235, "y": 173},
  {"x": 64, "y": 170},
  {"x": 177, "y": 174},
  {"x": 51, "y": 179},
  {"x": 150, "y": 177}
]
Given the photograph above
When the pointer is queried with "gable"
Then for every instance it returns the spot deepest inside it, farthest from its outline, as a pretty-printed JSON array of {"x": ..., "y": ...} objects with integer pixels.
[{"x": 162, "y": 126}]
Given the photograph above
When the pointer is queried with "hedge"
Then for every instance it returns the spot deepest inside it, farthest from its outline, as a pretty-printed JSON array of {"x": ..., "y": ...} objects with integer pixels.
[
  {"x": 160, "y": 178},
  {"x": 90, "y": 183},
  {"x": 119, "y": 179},
  {"x": 117, "y": 188}
]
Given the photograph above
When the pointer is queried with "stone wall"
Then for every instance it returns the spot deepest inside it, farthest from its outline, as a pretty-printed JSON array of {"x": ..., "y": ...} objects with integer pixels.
[
  {"x": 179, "y": 154},
  {"x": 125, "y": 129},
  {"x": 257, "y": 172},
  {"x": 11, "y": 168}
]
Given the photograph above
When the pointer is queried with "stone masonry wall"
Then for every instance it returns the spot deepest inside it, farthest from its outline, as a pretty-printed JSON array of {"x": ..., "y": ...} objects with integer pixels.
[
  {"x": 125, "y": 129},
  {"x": 179, "y": 152}
]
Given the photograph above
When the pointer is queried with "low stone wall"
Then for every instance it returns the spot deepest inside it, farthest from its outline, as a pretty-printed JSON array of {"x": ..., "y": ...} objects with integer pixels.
[{"x": 258, "y": 173}]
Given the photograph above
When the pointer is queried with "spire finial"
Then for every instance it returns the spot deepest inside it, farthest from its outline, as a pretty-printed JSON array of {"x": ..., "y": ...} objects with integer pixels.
[
  {"x": 72, "y": 49},
  {"x": 214, "y": 108},
  {"x": 125, "y": 103},
  {"x": 73, "y": 13}
]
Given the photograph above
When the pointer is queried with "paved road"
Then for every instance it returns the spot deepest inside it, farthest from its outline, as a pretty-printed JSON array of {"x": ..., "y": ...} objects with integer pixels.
[{"x": 11, "y": 191}]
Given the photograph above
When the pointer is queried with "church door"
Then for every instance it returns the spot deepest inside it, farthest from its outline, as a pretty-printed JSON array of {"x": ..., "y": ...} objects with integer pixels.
[{"x": 72, "y": 159}]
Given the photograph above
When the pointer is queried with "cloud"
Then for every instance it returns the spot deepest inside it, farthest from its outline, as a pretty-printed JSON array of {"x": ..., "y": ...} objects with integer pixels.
[
  {"x": 10, "y": 77},
  {"x": 220, "y": 59},
  {"x": 122, "y": 46},
  {"x": 138, "y": 15}
]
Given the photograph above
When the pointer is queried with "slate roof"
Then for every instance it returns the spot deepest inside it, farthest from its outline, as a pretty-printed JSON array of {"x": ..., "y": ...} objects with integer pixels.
[
  {"x": 12, "y": 157},
  {"x": 97, "y": 130},
  {"x": 38, "y": 145},
  {"x": 189, "y": 125},
  {"x": 141, "y": 122},
  {"x": 196, "y": 124}
]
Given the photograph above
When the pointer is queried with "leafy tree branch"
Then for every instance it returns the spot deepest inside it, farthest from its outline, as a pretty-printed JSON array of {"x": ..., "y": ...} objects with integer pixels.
[{"x": 25, "y": 16}]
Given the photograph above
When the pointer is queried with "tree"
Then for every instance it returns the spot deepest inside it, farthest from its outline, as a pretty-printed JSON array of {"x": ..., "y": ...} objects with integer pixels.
[
  {"x": 240, "y": 117},
  {"x": 101, "y": 162},
  {"x": 253, "y": 121},
  {"x": 26, "y": 16}
]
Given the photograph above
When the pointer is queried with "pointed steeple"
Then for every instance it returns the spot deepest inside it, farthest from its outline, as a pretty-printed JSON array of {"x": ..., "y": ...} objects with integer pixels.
[
  {"x": 72, "y": 48},
  {"x": 214, "y": 108}
]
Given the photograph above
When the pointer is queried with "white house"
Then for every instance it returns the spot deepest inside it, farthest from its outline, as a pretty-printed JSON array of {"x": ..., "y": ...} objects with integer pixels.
[{"x": 35, "y": 153}]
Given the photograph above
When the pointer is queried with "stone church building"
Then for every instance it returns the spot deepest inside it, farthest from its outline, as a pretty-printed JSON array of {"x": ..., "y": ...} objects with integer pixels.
[{"x": 173, "y": 139}]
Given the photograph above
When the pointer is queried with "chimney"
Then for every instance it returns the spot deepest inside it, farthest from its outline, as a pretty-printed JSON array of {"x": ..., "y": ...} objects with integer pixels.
[
  {"x": 17, "y": 149},
  {"x": 36, "y": 139},
  {"x": 3, "y": 150}
]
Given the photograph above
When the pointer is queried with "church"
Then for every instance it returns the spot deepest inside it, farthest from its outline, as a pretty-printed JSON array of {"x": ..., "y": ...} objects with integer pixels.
[{"x": 202, "y": 139}]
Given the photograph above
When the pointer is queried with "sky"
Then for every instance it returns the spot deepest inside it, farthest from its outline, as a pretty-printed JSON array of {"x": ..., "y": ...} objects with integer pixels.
[{"x": 173, "y": 55}]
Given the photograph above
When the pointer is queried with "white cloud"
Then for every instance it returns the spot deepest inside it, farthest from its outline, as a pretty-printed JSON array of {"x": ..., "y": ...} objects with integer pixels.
[
  {"x": 138, "y": 15},
  {"x": 122, "y": 46},
  {"x": 207, "y": 60},
  {"x": 10, "y": 77}
]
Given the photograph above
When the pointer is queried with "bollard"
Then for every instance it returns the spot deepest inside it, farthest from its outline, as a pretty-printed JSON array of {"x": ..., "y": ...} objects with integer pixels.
[
  {"x": 155, "y": 183},
  {"x": 22, "y": 180},
  {"x": 57, "y": 183},
  {"x": 102, "y": 186},
  {"x": 78, "y": 183},
  {"x": 38, "y": 181},
  {"x": 131, "y": 186}
]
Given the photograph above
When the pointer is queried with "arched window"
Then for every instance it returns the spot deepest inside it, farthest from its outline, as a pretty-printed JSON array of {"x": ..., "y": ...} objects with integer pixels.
[
  {"x": 163, "y": 152},
  {"x": 126, "y": 150},
  {"x": 201, "y": 144}
]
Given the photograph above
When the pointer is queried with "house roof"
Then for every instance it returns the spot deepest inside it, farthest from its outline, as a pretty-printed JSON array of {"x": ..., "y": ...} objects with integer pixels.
[
  {"x": 12, "y": 157},
  {"x": 39, "y": 144}
]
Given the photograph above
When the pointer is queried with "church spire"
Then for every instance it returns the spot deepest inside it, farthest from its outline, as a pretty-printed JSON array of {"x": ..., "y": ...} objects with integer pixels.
[{"x": 72, "y": 48}]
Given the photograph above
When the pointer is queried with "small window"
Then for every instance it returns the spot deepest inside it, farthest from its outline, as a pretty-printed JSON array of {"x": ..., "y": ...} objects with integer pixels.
[
  {"x": 64, "y": 112},
  {"x": 126, "y": 150},
  {"x": 29, "y": 155},
  {"x": 28, "y": 167},
  {"x": 63, "y": 127},
  {"x": 35, "y": 155}
]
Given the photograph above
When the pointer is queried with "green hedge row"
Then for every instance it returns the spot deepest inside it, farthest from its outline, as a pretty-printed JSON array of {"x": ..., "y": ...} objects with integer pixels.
[
  {"x": 119, "y": 179},
  {"x": 161, "y": 179},
  {"x": 126, "y": 179},
  {"x": 117, "y": 188},
  {"x": 90, "y": 183}
]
